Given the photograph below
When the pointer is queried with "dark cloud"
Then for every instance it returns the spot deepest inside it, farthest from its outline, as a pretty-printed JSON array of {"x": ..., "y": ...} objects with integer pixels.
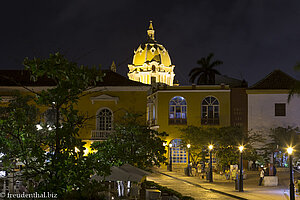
[{"x": 251, "y": 37}]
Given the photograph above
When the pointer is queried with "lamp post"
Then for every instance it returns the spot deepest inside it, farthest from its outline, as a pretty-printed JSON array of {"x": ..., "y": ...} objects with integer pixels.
[
  {"x": 170, "y": 149},
  {"x": 188, "y": 161},
  {"x": 292, "y": 188},
  {"x": 241, "y": 148},
  {"x": 210, "y": 147}
]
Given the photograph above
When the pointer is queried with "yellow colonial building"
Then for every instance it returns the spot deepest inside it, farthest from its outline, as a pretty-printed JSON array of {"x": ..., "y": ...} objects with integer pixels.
[
  {"x": 104, "y": 105},
  {"x": 165, "y": 107},
  {"x": 151, "y": 62},
  {"x": 109, "y": 102},
  {"x": 171, "y": 108}
]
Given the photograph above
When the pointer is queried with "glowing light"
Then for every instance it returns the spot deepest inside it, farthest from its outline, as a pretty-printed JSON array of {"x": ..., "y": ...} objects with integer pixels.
[
  {"x": 165, "y": 144},
  {"x": 170, "y": 145},
  {"x": 211, "y": 147},
  {"x": 49, "y": 127},
  {"x": 38, "y": 127},
  {"x": 290, "y": 150},
  {"x": 188, "y": 145},
  {"x": 241, "y": 148},
  {"x": 77, "y": 150},
  {"x": 86, "y": 151},
  {"x": 2, "y": 174}
]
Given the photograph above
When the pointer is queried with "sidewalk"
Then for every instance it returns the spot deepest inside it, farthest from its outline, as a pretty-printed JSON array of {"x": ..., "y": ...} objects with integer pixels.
[{"x": 251, "y": 189}]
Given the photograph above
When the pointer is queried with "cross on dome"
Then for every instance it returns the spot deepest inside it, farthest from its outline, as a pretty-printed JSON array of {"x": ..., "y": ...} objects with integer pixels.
[{"x": 151, "y": 31}]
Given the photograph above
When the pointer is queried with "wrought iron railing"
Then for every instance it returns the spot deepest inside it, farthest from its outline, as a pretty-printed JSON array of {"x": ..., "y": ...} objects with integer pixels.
[
  {"x": 100, "y": 134},
  {"x": 210, "y": 121},
  {"x": 177, "y": 121}
]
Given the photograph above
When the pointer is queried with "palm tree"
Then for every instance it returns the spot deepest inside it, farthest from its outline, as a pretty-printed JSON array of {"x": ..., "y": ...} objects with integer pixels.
[
  {"x": 296, "y": 87},
  {"x": 206, "y": 73}
]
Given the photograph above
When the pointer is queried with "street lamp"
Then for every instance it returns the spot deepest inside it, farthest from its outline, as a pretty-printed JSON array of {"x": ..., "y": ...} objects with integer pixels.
[
  {"x": 188, "y": 161},
  {"x": 170, "y": 149},
  {"x": 241, "y": 148},
  {"x": 292, "y": 188},
  {"x": 210, "y": 147}
]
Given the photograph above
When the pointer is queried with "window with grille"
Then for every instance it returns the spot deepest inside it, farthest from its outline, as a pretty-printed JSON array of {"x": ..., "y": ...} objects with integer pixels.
[
  {"x": 210, "y": 111},
  {"x": 104, "y": 120},
  {"x": 177, "y": 110}
]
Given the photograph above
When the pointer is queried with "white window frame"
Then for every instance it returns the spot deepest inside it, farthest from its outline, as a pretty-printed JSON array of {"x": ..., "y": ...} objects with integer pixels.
[
  {"x": 182, "y": 113},
  {"x": 98, "y": 120},
  {"x": 215, "y": 120}
]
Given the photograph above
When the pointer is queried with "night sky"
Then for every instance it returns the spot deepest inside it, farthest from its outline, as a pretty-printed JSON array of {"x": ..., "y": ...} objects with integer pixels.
[{"x": 251, "y": 37}]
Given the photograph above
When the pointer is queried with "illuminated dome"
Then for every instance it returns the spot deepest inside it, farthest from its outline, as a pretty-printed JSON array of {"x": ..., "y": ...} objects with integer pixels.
[{"x": 151, "y": 62}]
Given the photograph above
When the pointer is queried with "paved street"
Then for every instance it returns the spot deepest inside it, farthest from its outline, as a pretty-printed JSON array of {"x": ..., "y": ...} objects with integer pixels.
[
  {"x": 185, "y": 188},
  {"x": 201, "y": 189}
]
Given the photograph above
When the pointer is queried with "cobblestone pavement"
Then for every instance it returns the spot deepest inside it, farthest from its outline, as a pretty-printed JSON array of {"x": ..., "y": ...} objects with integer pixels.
[
  {"x": 202, "y": 189},
  {"x": 185, "y": 188}
]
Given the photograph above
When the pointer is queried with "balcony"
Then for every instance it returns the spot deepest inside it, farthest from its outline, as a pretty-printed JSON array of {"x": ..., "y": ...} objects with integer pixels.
[
  {"x": 179, "y": 121},
  {"x": 100, "y": 134},
  {"x": 210, "y": 121}
]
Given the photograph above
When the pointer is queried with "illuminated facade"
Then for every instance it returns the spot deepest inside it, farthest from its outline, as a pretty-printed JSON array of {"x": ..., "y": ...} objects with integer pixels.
[
  {"x": 171, "y": 109},
  {"x": 151, "y": 62},
  {"x": 105, "y": 105}
]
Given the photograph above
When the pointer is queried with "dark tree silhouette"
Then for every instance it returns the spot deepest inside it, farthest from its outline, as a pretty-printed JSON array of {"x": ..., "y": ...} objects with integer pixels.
[
  {"x": 295, "y": 90},
  {"x": 206, "y": 73}
]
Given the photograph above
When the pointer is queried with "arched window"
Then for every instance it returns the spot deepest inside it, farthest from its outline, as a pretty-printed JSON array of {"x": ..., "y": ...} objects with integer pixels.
[
  {"x": 210, "y": 111},
  {"x": 177, "y": 110},
  {"x": 104, "y": 120},
  {"x": 178, "y": 153}
]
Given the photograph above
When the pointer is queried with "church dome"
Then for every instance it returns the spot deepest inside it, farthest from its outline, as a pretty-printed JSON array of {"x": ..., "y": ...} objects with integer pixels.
[
  {"x": 151, "y": 62},
  {"x": 151, "y": 51}
]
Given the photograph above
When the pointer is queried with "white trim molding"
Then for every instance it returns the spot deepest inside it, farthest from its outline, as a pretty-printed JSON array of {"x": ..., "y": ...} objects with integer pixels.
[
  {"x": 104, "y": 97},
  {"x": 121, "y": 88}
]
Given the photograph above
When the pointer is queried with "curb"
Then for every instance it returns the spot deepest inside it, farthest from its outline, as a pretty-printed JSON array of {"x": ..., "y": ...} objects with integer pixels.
[
  {"x": 210, "y": 189},
  {"x": 228, "y": 194},
  {"x": 287, "y": 196}
]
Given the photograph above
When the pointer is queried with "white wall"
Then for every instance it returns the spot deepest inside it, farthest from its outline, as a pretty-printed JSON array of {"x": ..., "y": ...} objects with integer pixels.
[{"x": 261, "y": 111}]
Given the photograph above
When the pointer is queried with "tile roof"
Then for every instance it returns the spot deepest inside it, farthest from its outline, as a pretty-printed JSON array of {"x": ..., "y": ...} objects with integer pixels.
[
  {"x": 22, "y": 78},
  {"x": 275, "y": 80},
  {"x": 114, "y": 79},
  {"x": 232, "y": 82}
]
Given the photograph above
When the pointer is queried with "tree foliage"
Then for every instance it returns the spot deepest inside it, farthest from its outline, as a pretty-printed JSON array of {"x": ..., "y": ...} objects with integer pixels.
[
  {"x": 206, "y": 72},
  {"x": 132, "y": 142},
  {"x": 281, "y": 138},
  {"x": 225, "y": 140},
  {"x": 19, "y": 138},
  {"x": 51, "y": 161},
  {"x": 295, "y": 90}
]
